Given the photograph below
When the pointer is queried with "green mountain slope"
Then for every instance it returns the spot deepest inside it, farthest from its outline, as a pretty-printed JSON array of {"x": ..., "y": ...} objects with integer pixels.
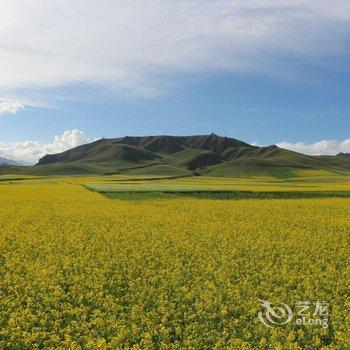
[
  {"x": 180, "y": 155},
  {"x": 272, "y": 161},
  {"x": 340, "y": 160}
]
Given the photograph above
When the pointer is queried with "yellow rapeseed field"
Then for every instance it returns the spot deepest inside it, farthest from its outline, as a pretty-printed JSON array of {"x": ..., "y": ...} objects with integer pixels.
[{"x": 80, "y": 271}]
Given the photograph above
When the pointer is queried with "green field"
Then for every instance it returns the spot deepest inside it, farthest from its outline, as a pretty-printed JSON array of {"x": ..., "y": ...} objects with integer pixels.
[{"x": 223, "y": 195}]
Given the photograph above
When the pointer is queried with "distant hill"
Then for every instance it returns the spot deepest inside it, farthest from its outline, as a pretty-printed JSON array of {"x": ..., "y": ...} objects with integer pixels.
[
  {"x": 343, "y": 155},
  {"x": 340, "y": 160},
  {"x": 182, "y": 155},
  {"x": 210, "y": 155},
  {"x": 140, "y": 149},
  {"x": 8, "y": 162}
]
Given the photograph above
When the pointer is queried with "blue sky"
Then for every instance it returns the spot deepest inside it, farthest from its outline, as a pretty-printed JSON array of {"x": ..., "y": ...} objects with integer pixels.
[
  {"x": 239, "y": 106},
  {"x": 262, "y": 71}
]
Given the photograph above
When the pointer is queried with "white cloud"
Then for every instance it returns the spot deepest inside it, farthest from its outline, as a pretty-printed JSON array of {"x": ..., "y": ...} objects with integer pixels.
[
  {"x": 137, "y": 47},
  {"x": 31, "y": 151},
  {"x": 327, "y": 147},
  {"x": 10, "y": 107}
]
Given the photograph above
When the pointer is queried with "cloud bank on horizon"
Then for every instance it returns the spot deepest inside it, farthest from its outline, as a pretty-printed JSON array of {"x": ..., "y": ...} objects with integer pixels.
[
  {"x": 146, "y": 48},
  {"x": 323, "y": 147},
  {"x": 29, "y": 152}
]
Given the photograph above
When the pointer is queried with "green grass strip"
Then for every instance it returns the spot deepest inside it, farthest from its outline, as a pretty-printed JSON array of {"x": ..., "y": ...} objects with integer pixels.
[{"x": 222, "y": 195}]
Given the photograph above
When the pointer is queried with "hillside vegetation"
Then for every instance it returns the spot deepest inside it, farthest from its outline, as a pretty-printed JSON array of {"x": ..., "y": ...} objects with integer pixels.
[{"x": 210, "y": 155}]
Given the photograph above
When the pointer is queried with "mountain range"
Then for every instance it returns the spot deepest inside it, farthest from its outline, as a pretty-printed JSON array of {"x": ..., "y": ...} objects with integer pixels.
[
  {"x": 6, "y": 161},
  {"x": 210, "y": 155}
]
